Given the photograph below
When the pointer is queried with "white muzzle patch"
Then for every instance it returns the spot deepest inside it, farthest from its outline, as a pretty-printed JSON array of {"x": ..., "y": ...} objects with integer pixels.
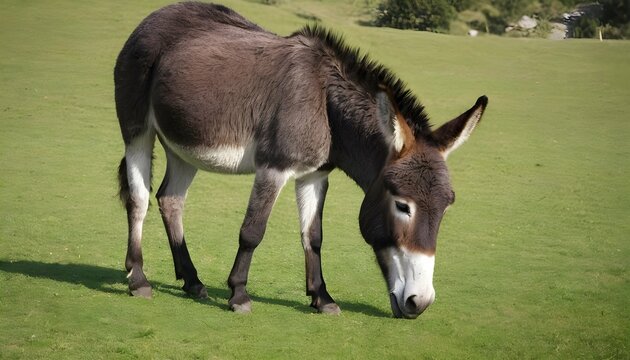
[{"x": 410, "y": 281}]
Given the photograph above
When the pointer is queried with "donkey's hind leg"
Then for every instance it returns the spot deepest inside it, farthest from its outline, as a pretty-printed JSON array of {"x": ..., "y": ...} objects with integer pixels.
[
  {"x": 171, "y": 197},
  {"x": 136, "y": 178}
]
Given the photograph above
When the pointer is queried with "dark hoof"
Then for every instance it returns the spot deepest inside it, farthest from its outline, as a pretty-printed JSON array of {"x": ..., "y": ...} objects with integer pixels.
[
  {"x": 244, "y": 308},
  {"x": 197, "y": 291},
  {"x": 331, "y": 309},
  {"x": 143, "y": 291}
]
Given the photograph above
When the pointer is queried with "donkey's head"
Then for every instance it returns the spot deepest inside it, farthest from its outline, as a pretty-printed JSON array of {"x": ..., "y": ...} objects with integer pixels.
[{"x": 402, "y": 210}]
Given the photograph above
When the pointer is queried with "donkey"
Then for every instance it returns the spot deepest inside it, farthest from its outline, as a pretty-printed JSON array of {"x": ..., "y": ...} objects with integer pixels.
[{"x": 221, "y": 94}]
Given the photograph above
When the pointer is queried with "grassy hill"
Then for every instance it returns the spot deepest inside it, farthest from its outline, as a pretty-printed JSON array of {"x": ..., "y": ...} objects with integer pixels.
[{"x": 532, "y": 260}]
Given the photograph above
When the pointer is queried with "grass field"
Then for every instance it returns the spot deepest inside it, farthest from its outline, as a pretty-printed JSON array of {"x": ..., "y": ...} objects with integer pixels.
[{"x": 533, "y": 259}]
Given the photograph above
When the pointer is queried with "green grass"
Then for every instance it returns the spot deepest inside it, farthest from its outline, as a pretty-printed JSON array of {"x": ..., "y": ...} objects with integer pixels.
[{"x": 532, "y": 259}]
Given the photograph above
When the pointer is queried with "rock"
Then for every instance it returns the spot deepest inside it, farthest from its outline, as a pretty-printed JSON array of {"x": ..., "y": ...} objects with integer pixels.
[
  {"x": 558, "y": 31},
  {"x": 473, "y": 32},
  {"x": 527, "y": 23}
]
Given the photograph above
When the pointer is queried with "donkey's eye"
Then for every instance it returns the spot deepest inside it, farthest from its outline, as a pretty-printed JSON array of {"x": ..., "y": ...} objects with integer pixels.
[{"x": 402, "y": 207}]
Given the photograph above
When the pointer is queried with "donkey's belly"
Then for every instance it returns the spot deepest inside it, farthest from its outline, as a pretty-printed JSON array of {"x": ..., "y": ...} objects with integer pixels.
[
  {"x": 235, "y": 158},
  {"x": 232, "y": 159}
]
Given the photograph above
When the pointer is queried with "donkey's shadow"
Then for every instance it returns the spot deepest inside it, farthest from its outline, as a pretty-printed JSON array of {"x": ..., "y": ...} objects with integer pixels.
[{"x": 107, "y": 280}]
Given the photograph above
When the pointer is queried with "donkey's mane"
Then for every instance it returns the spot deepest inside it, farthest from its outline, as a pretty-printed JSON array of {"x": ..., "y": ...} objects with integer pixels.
[{"x": 372, "y": 75}]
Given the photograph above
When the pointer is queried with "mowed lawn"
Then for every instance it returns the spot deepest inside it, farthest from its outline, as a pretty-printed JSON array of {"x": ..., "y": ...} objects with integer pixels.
[{"x": 532, "y": 259}]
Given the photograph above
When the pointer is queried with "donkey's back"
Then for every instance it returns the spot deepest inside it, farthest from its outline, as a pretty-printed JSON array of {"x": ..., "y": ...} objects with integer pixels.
[{"x": 222, "y": 94}]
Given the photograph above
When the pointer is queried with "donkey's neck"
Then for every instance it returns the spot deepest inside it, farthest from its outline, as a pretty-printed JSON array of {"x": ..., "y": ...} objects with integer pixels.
[{"x": 358, "y": 145}]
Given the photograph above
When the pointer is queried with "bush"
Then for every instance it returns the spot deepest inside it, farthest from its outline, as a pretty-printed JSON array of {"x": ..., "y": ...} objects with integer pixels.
[
  {"x": 616, "y": 19},
  {"x": 614, "y": 32},
  {"x": 474, "y": 19},
  {"x": 427, "y": 15},
  {"x": 542, "y": 30},
  {"x": 585, "y": 27},
  {"x": 269, "y": 2}
]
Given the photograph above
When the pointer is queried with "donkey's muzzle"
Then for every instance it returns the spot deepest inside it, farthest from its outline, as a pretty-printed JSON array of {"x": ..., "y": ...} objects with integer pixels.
[{"x": 415, "y": 305}]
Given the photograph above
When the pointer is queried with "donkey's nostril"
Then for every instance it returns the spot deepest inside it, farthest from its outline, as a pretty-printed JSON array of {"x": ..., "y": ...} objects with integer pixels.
[{"x": 412, "y": 305}]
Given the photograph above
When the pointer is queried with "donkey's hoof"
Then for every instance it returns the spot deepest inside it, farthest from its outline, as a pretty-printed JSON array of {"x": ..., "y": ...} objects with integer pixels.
[
  {"x": 143, "y": 291},
  {"x": 197, "y": 291},
  {"x": 331, "y": 309},
  {"x": 244, "y": 308},
  {"x": 138, "y": 284}
]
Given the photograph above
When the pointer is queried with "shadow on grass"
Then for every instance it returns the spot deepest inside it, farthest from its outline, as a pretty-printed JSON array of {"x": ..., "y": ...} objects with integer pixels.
[
  {"x": 91, "y": 276},
  {"x": 218, "y": 297},
  {"x": 362, "y": 309},
  {"x": 103, "y": 279}
]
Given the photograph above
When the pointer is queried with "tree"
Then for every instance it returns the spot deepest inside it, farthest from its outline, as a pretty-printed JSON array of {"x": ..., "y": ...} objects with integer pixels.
[
  {"x": 427, "y": 15},
  {"x": 615, "y": 12}
]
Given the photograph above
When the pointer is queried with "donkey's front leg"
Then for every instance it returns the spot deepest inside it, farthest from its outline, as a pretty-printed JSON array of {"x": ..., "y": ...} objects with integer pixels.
[
  {"x": 310, "y": 192},
  {"x": 267, "y": 186}
]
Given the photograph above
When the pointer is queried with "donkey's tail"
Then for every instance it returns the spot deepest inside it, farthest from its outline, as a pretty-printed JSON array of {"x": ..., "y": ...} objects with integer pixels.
[{"x": 133, "y": 75}]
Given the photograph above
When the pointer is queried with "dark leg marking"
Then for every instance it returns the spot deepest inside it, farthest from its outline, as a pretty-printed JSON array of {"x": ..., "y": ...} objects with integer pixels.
[{"x": 171, "y": 198}]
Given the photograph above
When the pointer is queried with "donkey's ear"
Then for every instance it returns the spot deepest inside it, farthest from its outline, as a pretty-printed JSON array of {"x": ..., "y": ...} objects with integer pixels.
[
  {"x": 452, "y": 134},
  {"x": 393, "y": 125}
]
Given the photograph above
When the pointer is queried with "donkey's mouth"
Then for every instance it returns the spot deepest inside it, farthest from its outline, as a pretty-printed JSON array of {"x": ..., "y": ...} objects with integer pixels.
[{"x": 395, "y": 308}]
